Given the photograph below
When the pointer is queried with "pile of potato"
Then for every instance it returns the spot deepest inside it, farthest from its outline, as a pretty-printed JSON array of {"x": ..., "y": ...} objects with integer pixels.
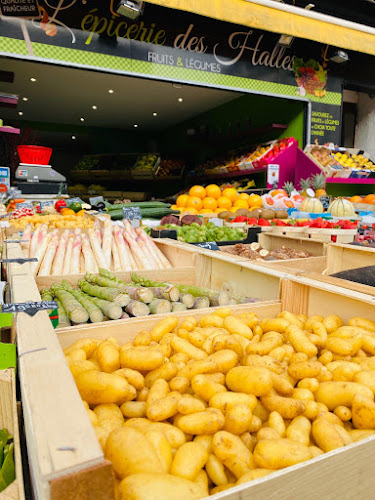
[
  {"x": 53, "y": 221},
  {"x": 191, "y": 409}
]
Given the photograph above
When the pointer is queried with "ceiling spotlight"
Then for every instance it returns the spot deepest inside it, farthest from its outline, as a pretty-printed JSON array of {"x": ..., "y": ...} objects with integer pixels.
[
  {"x": 82, "y": 119},
  {"x": 25, "y": 99},
  {"x": 110, "y": 91},
  {"x": 135, "y": 125},
  {"x": 180, "y": 99},
  {"x": 33, "y": 79},
  {"x": 20, "y": 113},
  {"x": 340, "y": 57},
  {"x": 95, "y": 107},
  {"x": 154, "y": 114},
  {"x": 131, "y": 9},
  {"x": 74, "y": 137}
]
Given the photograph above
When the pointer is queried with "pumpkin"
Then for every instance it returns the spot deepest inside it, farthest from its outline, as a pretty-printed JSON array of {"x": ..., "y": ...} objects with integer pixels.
[
  {"x": 312, "y": 205},
  {"x": 341, "y": 208}
]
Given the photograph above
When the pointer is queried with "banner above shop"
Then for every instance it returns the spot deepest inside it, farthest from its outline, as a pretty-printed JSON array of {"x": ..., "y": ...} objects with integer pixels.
[{"x": 176, "y": 46}]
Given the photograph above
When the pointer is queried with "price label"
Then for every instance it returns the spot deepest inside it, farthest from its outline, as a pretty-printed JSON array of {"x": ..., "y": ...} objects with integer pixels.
[
  {"x": 273, "y": 172},
  {"x": 30, "y": 308},
  {"x": 74, "y": 200},
  {"x": 208, "y": 245},
  {"x": 217, "y": 222},
  {"x": 96, "y": 200},
  {"x": 25, "y": 204},
  {"x": 15, "y": 241},
  {"x": 132, "y": 213},
  {"x": 44, "y": 204},
  {"x": 18, "y": 261}
]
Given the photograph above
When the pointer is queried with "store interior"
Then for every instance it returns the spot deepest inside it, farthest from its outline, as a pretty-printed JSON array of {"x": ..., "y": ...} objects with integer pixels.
[{"x": 102, "y": 122}]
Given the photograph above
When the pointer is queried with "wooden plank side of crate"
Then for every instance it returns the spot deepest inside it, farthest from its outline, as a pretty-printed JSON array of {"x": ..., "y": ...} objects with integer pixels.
[
  {"x": 350, "y": 285},
  {"x": 274, "y": 241},
  {"x": 9, "y": 420},
  {"x": 343, "y": 257},
  {"x": 344, "y": 473},
  {"x": 178, "y": 253},
  {"x": 126, "y": 330},
  {"x": 299, "y": 266},
  {"x": 57, "y": 444}
]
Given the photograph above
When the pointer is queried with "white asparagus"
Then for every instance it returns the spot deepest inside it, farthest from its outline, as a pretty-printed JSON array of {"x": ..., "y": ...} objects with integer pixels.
[
  {"x": 34, "y": 241},
  {"x": 76, "y": 252},
  {"x": 58, "y": 262},
  {"x": 68, "y": 255},
  {"x": 137, "y": 251},
  {"x": 133, "y": 262},
  {"x": 90, "y": 262},
  {"x": 82, "y": 268},
  {"x": 45, "y": 268},
  {"x": 149, "y": 250},
  {"x": 148, "y": 257},
  {"x": 122, "y": 250},
  {"x": 107, "y": 243},
  {"x": 153, "y": 247},
  {"x": 98, "y": 231},
  {"x": 41, "y": 248},
  {"x": 27, "y": 235},
  {"x": 96, "y": 248},
  {"x": 116, "y": 264}
]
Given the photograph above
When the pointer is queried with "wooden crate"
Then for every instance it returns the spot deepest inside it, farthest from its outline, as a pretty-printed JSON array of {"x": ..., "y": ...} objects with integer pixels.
[
  {"x": 324, "y": 235},
  {"x": 272, "y": 241},
  {"x": 341, "y": 257},
  {"x": 65, "y": 458},
  {"x": 9, "y": 420}
]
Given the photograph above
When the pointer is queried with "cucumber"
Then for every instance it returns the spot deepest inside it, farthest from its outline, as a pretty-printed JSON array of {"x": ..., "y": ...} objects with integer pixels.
[{"x": 141, "y": 204}]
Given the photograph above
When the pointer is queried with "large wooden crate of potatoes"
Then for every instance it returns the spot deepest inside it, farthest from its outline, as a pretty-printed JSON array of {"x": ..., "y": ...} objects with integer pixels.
[{"x": 65, "y": 457}]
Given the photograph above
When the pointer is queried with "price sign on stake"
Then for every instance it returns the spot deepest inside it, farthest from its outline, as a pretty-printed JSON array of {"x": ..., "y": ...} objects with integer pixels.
[
  {"x": 73, "y": 200},
  {"x": 132, "y": 213},
  {"x": 217, "y": 222},
  {"x": 18, "y": 261},
  {"x": 209, "y": 245},
  {"x": 26, "y": 204},
  {"x": 96, "y": 200},
  {"x": 30, "y": 308},
  {"x": 44, "y": 204}
]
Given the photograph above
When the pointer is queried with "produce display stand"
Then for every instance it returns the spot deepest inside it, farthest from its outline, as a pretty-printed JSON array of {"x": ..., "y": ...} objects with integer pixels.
[
  {"x": 9, "y": 421},
  {"x": 64, "y": 455}
]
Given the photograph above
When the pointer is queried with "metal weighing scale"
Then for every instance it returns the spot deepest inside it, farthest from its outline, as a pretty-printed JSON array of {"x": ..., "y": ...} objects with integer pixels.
[{"x": 39, "y": 179}]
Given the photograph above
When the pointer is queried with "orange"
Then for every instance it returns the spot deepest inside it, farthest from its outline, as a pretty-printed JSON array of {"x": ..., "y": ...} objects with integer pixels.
[
  {"x": 255, "y": 200},
  {"x": 233, "y": 209},
  {"x": 80, "y": 213},
  {"x": 197, "y": 191},
  {"x": 224, "y": 202},
  {"x": 370, "y": 198},
  {"x": 195, "y": 202},
  {"x": 241, "y": 204},
  {"x": 191, "y": 210},
  {"x": 182, "y": 200},
  {"x": 356, "y": 199},
  {"x": 68, "y": 211},
  {"x": 218, "y": 210},
  {"x": 230, "y": 193},
  {"x": 210, "y": 203},
  {"x": 243, "y": 196},
  {"x": 205, "y": 211},
  {"x": 213, "y": 191}
]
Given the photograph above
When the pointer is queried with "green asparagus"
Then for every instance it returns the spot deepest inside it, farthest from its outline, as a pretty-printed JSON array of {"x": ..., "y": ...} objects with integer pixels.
[
  {"x": 95, "y": 313},
  {"x": 135, "y": 293},
  {"x": 73, "y": 308},
  {"x": 111, "y": 294}
]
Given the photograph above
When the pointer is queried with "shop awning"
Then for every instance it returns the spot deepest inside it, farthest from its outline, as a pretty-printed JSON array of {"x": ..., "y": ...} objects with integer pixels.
[{"x": 281, "y": 18}]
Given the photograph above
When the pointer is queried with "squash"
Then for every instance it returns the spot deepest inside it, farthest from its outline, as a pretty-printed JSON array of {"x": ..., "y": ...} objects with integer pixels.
[
  {"x": 312, "y": 205},
  {"x": 341, "y": 208}
]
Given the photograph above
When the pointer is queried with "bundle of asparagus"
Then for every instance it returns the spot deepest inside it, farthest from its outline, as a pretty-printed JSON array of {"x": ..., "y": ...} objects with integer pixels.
[{"x": 120, "y": 248}]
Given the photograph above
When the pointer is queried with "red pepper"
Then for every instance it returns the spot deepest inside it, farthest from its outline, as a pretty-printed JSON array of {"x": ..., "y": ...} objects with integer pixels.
[
  {"x": 59, "y": 205},
  {"x": 263, "y": 222},
  {"x": 252, "y": 221},
  {"x": 240, "y": 218}
]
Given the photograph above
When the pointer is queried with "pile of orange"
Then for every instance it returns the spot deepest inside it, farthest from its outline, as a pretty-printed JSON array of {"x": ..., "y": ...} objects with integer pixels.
[
  {"x": 369, "y": 199},
  {"x": 211, "y": 199}
]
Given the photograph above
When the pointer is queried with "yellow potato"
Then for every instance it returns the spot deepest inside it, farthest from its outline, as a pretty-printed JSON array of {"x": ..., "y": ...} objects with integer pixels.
[
  {"x": 235, "y": 325},
  {"x": 266, "y": 345},
  {"x": 163, "y": 408},
  {"x": 134, "y": 409},
  {"x": 190, "y": 458},
  {"x": 226, "y": 400},
  {"x": 343, "y": 412},
  {"x": 281, "y": 384},
  {"x": 219, "y": 378},
  {"x": 325, "y": 357},
  {"x": 288, "y": 408},
  {"x": 254, "y": 474},
  {"x": 232, "y": 452},
  {"x": 368, "y": 344},
  {"x": 359, "y": 434},
  {"x": 299, "y": 430},
  {"x": 99, "y": 387},
  {"x": 162, "y": 447},
  {"x": 143, "y": 338},
  {"x": 181, "y": 345},
  {"x": 211, "y": 320},
  {"x": 278, "y": 354},
  {"x": 249, "y": 441},
  {"x": 276, "y": 421},
  {"x": 197, "y": 368},
  {"x": 252, "y": 380},
  {"x": 238, "y": 419},
  {"x": 205, "y": 388},
  {"x": 363, "y": 412},
  {"x": 221, "y": 342},
  {"x": 256, "y": 424},
  {"x": 159, "y": 390},
  {"x": 143, "y": 394},
  {"x": 88, "y": 345},
  {"x": 315, "y": 451},
  {"x": 309, "y": 383},
  {"x": 216, "y": 471},
  {"x": 280, "y": 453},
  {"x": 77, "y": 367},
  {"x": 344, "y": 347},
  {"x": 108, "y": 357},
  {"x": 202, "y": 481},
  {"x": 366, "y": 378},
  {"x": 304, "y": 369},
  {"x": 334, "y": 394},
  {"x": 143, "y": 359},
  {"x": 196, "y": 338},
  {"x": 76, "y": 355},
  {"x": 166, "y": 325},
  {"x": 179, "y": 357},
  {"x": 166, "y": 371},
  {"x": 187, "y": 405},
  {"x": 332, "y": 323},
  {"x": 179, "y": 384},
  {"x": 109, "y": 416},
  {"x": 175, "y": 436},
  {"x": 300, "y": 341},
  {"x": 277, "y": 325},
  {"x": 326, "y": 435},
  {"x": 93, "y": 418},
  {"x": 292, "y": 318},
  {"x": 225, "y": 360},
  {"x": 220, "y": 489},
  {"x": 320, "y": 330},
  {"x": 267, "y": 433},
  {"x": 265, "y": 362},
  {"x": 303, "y": 394},
  {"x": 131, "y": 453},
  {"x": 206, "y": 422},
  {"x": 362, "y": 323},
  {"x": 133, "y": 377},
  {"x": 159, "y": 487},
  {"x": 205, "y": 440}
]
